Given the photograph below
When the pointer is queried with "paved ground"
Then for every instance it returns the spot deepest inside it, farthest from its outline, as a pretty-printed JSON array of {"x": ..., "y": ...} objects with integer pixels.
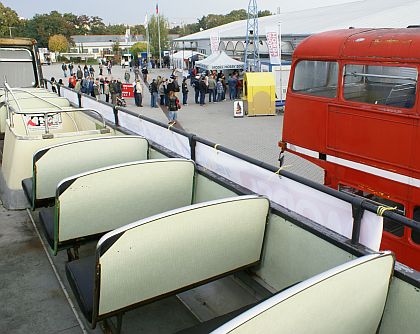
[{"x": 253, "y": 136}]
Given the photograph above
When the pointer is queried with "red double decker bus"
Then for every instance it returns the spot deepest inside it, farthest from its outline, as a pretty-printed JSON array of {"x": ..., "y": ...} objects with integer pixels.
[{"x": 353, "y": 108}]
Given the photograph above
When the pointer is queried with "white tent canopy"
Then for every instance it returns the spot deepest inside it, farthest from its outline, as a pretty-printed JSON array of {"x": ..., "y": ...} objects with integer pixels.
[
  {"x": 179, "y": 57},
  {"x": 220, "y": 61}
]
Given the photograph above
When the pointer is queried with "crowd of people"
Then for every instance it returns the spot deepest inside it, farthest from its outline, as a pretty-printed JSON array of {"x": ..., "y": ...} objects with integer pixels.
[{"x": 208, "y": 86}]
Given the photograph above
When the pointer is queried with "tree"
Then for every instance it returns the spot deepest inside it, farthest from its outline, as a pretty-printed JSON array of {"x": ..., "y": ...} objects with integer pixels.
[
  {"x": 58, "y": 43},
  {"x": 153, "y": 34},
  {"x": 262, "y": 13},
  {"x": 137, "y": 48},
  {"x": 8, "y": 18}
]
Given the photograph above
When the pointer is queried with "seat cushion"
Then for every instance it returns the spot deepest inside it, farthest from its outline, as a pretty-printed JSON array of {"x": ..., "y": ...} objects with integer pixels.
[
  {"x": 81, "y": 276},
  {"x": 27, "y": 185},
  {"x": 46, "y": 216}
]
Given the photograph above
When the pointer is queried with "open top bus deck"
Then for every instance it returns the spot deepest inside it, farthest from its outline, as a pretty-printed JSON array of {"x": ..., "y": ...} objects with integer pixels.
[{"x": 221, "y": 242}]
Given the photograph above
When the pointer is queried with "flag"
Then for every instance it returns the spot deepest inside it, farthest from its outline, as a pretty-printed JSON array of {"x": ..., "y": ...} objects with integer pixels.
[{"x": 157, "y": 8}]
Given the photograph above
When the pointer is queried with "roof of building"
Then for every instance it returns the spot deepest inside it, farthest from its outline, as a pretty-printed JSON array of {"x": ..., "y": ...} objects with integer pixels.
[
  {"x": 362, "y": 44},
  {"x": 105, "y": 38},
  {"x": 367, "y": 13}
]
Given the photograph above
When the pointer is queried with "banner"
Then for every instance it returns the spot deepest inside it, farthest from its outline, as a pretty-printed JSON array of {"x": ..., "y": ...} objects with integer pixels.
[
  {"x": 214, "y": 43},
  {"x": 273, "y": 45},
  {"x": 326, "y": 210},
  {"x": 127, "y": 91}
]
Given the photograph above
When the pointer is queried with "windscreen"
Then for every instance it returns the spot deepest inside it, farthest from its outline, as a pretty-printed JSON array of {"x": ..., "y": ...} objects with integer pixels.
[{"x": 16, "y": 67}]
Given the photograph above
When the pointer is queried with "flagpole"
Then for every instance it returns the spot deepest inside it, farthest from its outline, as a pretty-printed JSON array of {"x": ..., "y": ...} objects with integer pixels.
[
  {"x": 148, "y": 44},
  {"x": 158, "y": 20}
]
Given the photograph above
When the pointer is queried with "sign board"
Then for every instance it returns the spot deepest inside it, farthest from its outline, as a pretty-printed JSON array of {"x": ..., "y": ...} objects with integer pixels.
[
  {"x": 238, "y": 109},
  {"x": 273, "y": 45},
  {"x": 127, "y": 90},
  {"x": 36, "y": 122},
  {"x": 214, "y": 43}
]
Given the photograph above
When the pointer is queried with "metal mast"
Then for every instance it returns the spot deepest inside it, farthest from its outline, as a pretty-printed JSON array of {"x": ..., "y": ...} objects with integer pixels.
[{"x": 252, "y": 49}]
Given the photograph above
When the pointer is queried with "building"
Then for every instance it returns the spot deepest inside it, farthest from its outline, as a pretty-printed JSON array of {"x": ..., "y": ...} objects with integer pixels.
[
  {"x": 295, "y": 26},
  {"x": 100, "y": 46}
]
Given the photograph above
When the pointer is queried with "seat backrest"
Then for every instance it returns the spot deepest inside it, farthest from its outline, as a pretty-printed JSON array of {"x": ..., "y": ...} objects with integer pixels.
[
  {"x": 53, "y": 164},
  {"x": 102, "y": 200},
  {"x": 177, "y": 250},
  {"x": 347, "y": 299}
]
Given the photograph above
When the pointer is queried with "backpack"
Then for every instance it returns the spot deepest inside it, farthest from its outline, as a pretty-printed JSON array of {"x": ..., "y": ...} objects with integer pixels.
[{"x": 173, "y": 106}]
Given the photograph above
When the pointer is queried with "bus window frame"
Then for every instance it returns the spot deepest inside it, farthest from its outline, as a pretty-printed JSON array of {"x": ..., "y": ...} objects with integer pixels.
[
  {"x": 309, "y": 96},
  {"x": 379, "y": 107}
]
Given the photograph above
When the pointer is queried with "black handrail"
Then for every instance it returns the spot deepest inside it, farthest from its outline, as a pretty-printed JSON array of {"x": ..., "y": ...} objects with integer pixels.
[{"x": 354, "y": 200}]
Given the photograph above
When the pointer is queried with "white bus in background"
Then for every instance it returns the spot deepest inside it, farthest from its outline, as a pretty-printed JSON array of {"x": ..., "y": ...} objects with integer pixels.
[{"x": 46, "y": 57}]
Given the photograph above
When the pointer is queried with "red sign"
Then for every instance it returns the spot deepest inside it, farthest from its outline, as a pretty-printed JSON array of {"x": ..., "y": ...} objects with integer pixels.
[{"x": 127, "y": 90}]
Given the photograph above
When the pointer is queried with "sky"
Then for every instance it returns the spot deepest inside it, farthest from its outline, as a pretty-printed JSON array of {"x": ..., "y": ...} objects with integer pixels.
[{"x": 177, "y": 11}]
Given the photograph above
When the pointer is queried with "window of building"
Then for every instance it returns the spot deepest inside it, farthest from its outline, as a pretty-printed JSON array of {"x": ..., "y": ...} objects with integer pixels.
[
  {"x": 85, "y": 51},
  {"x": 95, "y": 50},
  {"x": 318, "y": 78},
  {"x": 384, "y": 85},
  {"x": 74, "y": 50}
]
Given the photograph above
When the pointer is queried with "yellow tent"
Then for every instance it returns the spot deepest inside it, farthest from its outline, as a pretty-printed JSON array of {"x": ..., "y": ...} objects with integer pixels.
[{"x": 260, "y": 93}]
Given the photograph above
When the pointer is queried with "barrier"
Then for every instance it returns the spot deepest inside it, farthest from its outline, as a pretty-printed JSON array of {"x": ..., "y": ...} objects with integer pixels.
[{"x": 364, "y": 226}]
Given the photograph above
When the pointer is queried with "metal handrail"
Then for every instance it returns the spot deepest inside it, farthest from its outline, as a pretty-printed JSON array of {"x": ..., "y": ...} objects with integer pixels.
[
  {"x": 45, "y": 100},
  {"x": 59, "y": 111}
]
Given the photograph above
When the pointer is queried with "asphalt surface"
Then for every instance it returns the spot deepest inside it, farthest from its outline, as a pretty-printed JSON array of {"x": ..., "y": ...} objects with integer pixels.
[{"x": 256, "y": 137}]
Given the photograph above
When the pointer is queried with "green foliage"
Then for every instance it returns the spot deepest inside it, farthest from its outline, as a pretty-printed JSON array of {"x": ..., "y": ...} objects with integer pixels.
[
  {"x": 58, "y": 43},
  {"x": 153, "y": 34},
  {"x": 137, "y": 48},
  {"x": 42, "y": 26},
  {"x": 8, "y": 18}
]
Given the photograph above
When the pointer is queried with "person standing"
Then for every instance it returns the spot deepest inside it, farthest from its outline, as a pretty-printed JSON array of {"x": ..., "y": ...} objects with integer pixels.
[
  {"x": 91, "y": 84},
  {"x": 212, "y": 89},
  {"x": 154, "y": 94},
  {"x": 106, "y": 90},
  {"x": 127, "y": 76},
  {"x": 173, "y": 107},
  {"x": 101, "y": 68},
  {"x": 96, "y": 90},
  {"x": 162, "y": 91},
  {"x": 184, "y": 88},
  {"x": 145, "y": 72},
  {"x": 220, "y": 90},
  {"x": 113, "y": 91},
  {"x": 79, "y": 73},
  {"x": 138, "y": 93},
  {"x": 71, "y": 66},
  {"x": 232, "y": 82},
  {"x": 196, "y": 85},
  {"x": 203, "y": 91},
  {"x": 64, "y": 68}
]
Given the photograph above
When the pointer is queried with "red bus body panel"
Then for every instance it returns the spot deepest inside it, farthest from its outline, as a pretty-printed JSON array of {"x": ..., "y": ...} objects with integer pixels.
[{"x": 384, "y": 141}]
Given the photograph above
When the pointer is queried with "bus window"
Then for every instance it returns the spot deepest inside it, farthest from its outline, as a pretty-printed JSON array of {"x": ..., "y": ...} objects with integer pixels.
[
  {"x": 415, "y": 236},
  {"x": 384, "y": 85},
  {"x": 317, "y": 78}
]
